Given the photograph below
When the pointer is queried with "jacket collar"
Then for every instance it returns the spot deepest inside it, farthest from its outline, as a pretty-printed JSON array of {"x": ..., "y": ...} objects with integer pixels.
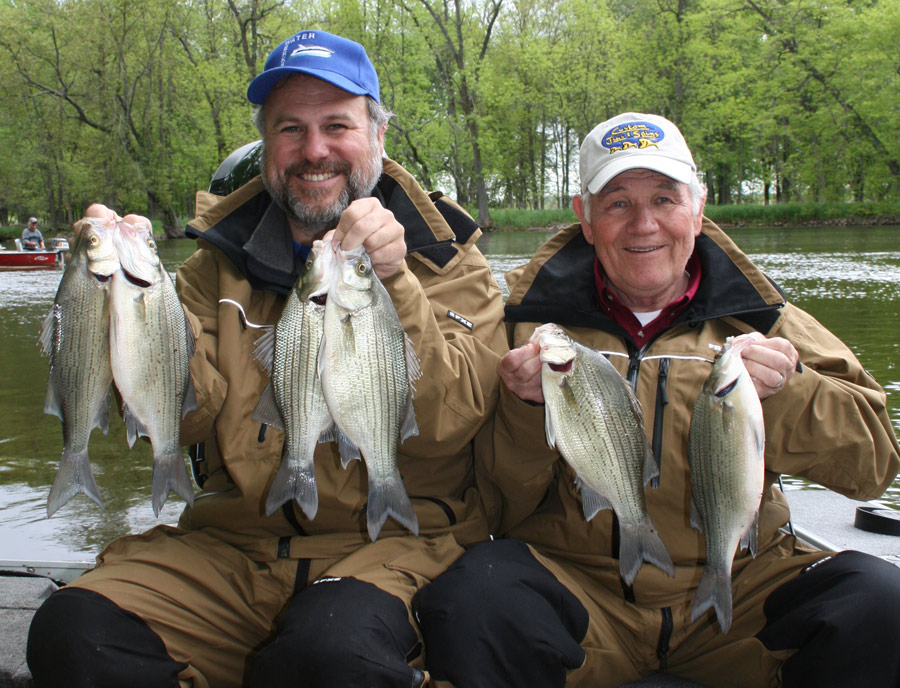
[
  {"x": 249, "y": 228},
  {"x": 558, "y": 285}
]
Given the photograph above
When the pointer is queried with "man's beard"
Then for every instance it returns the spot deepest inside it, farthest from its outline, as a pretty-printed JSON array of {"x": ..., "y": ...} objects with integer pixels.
[{"x": 360, "y": 183}]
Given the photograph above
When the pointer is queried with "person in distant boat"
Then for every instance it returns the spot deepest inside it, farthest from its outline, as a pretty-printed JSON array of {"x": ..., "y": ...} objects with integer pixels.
[
  {"x": 647, "y": 279},
  {"x": 32, "y": 239},
  {"x": 233, "y": 597}
]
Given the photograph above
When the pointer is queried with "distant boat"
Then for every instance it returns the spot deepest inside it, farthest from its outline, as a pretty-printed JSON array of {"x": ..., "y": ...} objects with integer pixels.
[{"x": 46, "y": 259}]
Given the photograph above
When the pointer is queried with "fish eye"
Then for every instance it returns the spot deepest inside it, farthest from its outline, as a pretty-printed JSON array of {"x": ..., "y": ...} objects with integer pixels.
[
  {"x": 151, "y": 243},
  {"x": 309, "y": 263},
  {"x": 93, "y": 240},
  {"x": 361, "y": 268}
]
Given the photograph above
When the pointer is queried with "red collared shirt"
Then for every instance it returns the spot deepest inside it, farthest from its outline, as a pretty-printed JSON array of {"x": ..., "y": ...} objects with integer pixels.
[{"x": 641, "y": 334}]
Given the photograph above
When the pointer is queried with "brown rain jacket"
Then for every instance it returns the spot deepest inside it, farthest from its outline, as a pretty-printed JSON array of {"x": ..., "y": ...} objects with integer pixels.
[
  {"x": 451, "y": 308},
  {"x": 829, "y": 424}
]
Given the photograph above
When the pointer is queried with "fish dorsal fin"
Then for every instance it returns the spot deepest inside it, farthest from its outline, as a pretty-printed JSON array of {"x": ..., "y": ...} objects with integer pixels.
[
  {"x": 266, "y": 411},
  {"x": 591, "y": 500},
  {"x": 549, "y": 430},
  {"x": 264, "y": 349},
  {"x": 413, "y": 369},
  {"x": 47, "y": 327},
  {"x": 696, "y": 520}
]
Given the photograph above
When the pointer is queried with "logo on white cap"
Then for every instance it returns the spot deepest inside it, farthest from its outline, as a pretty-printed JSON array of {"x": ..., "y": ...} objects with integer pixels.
[{"x": 632, "y": 135}]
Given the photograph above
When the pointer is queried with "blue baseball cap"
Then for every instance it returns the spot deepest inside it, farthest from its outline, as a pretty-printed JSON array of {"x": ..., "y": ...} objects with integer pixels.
[{"x": 334, "y": 59}]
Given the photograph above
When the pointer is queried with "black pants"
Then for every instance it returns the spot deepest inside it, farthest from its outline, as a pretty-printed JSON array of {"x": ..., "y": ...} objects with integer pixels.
[
  {"x": 341, "y": 632},
  {"x": 498, "y": 618}
]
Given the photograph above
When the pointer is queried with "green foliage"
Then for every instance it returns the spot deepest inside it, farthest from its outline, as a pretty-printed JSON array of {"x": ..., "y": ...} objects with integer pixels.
[{"x": 134, "y": 103}]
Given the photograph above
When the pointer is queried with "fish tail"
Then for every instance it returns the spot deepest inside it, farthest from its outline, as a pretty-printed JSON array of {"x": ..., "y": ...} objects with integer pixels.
[
  {"x": 294, "y": 480},
  {"x": 640, "y": 543},
  {"x": 389, "y": 498},
  {"x": 73, "y": 476},
  {"x": 170, "y": 475},
  {"x": 714, "y": 591}
]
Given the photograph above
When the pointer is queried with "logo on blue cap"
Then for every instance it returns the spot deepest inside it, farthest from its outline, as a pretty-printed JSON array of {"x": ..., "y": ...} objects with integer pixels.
[
  {"x": 311, "y": 51},
  {"x": 632, "y": 135}
]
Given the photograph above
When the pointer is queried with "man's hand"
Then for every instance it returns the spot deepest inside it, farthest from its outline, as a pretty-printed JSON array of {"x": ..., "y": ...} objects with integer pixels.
[
  {"x": 771, "y": 363},
  {"x": 368, "y": 223},
  {"x": 520, "y": 371}
]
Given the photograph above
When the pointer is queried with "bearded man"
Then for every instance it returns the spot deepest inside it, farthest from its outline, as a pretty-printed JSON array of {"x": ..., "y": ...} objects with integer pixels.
[{"x": 233, "y": 596}]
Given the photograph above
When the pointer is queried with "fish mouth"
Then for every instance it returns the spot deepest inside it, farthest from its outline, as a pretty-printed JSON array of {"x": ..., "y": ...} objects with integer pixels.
[
  {"x": 561, "y": 367},
  {"x": 319, "y": 299},
  {"x": 135, "y": 280}
]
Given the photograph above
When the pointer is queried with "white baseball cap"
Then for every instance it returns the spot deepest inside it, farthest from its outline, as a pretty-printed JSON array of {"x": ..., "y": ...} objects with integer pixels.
[{"x": 633, "y": 141}]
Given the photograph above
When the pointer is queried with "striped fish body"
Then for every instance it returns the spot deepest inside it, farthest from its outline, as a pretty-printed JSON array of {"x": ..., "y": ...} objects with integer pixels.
[{"x": 595, "y": 422}]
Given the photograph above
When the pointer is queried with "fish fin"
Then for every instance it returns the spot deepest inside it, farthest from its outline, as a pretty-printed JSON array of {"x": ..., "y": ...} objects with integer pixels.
[
  {"x": 170, "y": 475},
  {"x": 413, "y": 369},
  {"x": 410, "y": 427},
  {"x": 640, "y": 543},
  {"x": 696, "y": 519},
  {"x": 73, "y": 476},
  {"x": 189, "y": 403},
  {"x": 101, "y": 420},
  {"x": 591, "y": 500},
  {"x": 748, "y": 539},
  {"x": 329, "y": 434},
  {"x": 347, "y": 449},
  {"x": 294, "y": 480},
  {"x": 266, "y": 411},
  {"x": 264, "y": 349},
  {"x": 389, "y": 498},
  {"x": 134, "y": 429},
  {"x": 52, "y": 407},
  {"x": 45, "y": 340},
  {"x": 549, "y": 430},
  {"x": 713, "y": 592},
  {"x": 651, "y": 469},
  {"x": 189, "y": 339}
]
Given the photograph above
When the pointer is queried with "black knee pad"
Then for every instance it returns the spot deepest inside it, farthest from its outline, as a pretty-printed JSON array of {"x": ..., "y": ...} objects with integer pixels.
[
  {"x": 842, "y": 614},
  {"x": 340, "y": 632},
  {"x": 80, "y": 638},
  {"x": 497, "y": 618}
]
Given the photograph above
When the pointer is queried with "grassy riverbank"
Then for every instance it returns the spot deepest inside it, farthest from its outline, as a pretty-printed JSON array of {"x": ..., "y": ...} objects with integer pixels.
[{"x": 744, "y": 215}]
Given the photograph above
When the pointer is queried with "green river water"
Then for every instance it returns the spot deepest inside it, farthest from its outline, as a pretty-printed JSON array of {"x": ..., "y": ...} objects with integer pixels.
[{"x": 847, "y": 277}]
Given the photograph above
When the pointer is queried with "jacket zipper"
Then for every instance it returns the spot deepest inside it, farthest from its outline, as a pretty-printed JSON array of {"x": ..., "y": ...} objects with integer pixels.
[
  {"x": 665, "y": 635},
  {"x": 662, "y": 400}
]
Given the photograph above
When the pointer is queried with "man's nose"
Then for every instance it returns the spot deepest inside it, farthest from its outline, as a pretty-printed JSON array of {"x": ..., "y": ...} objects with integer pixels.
[{"x": 315, "y": 146}]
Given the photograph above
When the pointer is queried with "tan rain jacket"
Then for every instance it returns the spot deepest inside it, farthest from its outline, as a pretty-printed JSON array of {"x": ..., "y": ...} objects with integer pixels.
[
  {"x": 829, "y": 424},
  {"x": 451, "y": 308}
]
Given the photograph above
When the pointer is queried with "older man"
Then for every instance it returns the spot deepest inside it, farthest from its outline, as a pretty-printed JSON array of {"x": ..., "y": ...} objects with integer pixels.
[
  {"x": 645, "y": 277},
  {"x": 235, "y": 597}
]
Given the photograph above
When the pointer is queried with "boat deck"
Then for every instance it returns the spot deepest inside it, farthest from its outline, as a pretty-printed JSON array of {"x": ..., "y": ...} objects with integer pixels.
[{"x": 828, "y": 518}]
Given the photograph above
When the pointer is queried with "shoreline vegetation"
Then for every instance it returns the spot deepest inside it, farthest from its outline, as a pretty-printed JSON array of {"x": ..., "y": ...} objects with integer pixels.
[{"x": 726, "y": 216}]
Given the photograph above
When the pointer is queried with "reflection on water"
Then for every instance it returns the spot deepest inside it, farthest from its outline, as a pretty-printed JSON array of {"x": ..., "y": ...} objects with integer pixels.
[{"x": 846, "y": 277}]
